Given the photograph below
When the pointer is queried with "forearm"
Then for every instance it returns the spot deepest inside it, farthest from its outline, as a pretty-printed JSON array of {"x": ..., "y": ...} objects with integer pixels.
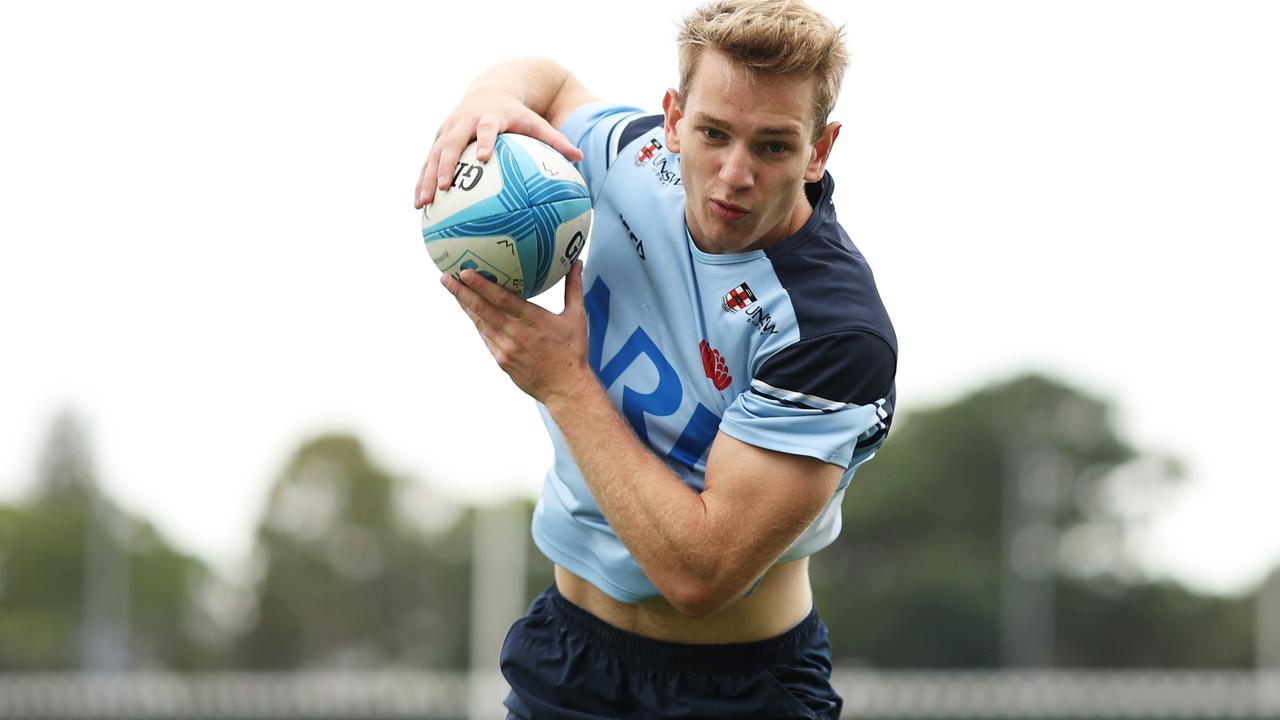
[
  {"x": 535, "y": 82},
  {"x": 664, "y": 523}
]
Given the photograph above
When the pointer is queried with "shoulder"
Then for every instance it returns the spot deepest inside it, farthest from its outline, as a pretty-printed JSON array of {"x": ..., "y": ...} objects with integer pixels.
[
  {"x": 606, "y": 128},
  {"x": 603, "y": 132},
  {"x": 846, "y": 350},
  {"x": 826, "y": 278}
]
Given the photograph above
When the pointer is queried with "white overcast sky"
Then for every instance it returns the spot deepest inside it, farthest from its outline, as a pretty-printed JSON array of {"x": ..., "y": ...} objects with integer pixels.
[{"x": 208, "y": 248}]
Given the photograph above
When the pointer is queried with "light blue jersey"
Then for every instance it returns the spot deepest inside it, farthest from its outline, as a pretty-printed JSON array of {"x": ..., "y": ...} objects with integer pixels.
[{"x": 787, "y": 348}]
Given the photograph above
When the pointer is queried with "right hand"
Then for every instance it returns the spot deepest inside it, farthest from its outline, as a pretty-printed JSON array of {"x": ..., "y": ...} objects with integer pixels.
[{"x": 481, "y": 116}]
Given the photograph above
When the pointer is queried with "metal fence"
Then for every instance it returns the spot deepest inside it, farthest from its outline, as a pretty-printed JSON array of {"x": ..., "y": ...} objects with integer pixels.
[{"x": 445, "y": 696}]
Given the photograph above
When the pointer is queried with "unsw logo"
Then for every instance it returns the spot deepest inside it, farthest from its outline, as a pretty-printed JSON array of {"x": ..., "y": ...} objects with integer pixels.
[
  {"x": 762, "y": 320},
  {"x": 665, "y": 176}
]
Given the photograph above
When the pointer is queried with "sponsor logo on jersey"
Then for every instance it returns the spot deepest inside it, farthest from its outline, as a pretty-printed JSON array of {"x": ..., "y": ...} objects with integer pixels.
[
  {"x": 636, "y": 242},
  {"x": 664, "y": 175},
  {"x": 739, "y": 298},
  {"x": 714, "y": 365},
  {"x": 647, "y": 403},
  {"x": 648, "y": 151},
  {"x": 762, "y": 320}
]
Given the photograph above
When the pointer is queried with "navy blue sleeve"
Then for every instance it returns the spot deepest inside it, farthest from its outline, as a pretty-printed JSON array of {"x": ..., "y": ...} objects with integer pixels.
[{"x": 850, "y": 366}]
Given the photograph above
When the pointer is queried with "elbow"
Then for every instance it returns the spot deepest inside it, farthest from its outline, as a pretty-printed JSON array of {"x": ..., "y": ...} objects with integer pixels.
[
  {"x": 695, "y": 608},
  {"x": 697, "y": 598}
]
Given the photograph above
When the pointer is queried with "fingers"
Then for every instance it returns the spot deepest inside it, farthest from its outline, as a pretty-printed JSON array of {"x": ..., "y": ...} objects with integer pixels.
[
  {"x": 487, "y": 332},
  {"x": 494, "y": 304},
  {"x": 484, "y": 126},
  {"x": 475, "y": 306},
  {"x": 537, "y": 126},
  {"x": 509, "y": 303},
  {"x": 492, "y": 323},
  {"x": 486, "y": 137},
  {"x": 425, "y": 192},
  {"x": 441, "y": 163},
  {"x": 450, "y": 151},
  {"x": 558, "y": 141},
  {"x": 573, "y": 289},
  {"x": 562, "y": 145}
]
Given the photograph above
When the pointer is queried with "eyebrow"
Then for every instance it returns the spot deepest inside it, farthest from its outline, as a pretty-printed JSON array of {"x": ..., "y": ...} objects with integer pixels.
[{"x": 779, "y": 131}]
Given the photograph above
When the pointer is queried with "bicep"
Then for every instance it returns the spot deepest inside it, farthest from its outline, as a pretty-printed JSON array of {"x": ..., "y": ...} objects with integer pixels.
[{"x": 759, "y": 501}]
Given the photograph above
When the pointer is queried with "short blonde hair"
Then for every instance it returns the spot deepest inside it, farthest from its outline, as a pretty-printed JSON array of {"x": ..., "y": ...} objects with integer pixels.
[{"x": 769, "y": 37}]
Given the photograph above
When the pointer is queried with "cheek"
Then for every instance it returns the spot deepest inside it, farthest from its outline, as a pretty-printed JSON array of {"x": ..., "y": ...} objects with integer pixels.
[{"x": 693, "y": 174}]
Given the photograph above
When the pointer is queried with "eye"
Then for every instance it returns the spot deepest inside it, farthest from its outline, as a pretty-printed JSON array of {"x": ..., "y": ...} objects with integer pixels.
[
  {"x": 713, "y": 134},
  {"x": 776, "y": 148}
]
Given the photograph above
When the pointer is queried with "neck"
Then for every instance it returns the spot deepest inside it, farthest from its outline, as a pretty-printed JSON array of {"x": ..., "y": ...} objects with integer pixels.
[{"x": 799, "y": 215}]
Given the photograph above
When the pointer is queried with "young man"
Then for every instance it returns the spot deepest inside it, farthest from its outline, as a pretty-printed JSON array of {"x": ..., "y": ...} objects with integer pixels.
[{"x": 721, "y": 367}]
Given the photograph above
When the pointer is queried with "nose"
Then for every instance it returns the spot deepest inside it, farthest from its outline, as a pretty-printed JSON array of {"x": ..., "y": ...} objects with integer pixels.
[{"x": 736, "y": 171}]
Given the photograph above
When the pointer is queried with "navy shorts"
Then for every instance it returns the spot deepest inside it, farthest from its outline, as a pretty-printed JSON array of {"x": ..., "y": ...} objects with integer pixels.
[{"x": 565, "y": 663}]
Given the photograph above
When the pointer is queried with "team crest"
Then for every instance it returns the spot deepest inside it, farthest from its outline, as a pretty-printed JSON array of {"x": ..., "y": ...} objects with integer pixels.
[
  {"x": 648, "y": 152},
  {"x": 739, "y": 298}
]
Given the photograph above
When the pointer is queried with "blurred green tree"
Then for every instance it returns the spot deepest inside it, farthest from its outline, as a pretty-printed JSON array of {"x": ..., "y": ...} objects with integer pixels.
[
  {"x": 86, "y": 585},
  {"x": 938, "y": 525},
  {"x": 357, "y": 570}
]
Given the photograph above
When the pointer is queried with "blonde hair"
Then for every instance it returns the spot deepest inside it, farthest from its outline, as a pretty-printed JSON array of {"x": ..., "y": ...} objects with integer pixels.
[{"x": 768, "y": 37}]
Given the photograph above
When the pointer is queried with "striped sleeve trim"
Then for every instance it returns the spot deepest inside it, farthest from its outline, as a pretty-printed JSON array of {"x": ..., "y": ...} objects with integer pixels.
[
  {"x": 876, "y": 433},
  {"x": 790, "y": 397}
]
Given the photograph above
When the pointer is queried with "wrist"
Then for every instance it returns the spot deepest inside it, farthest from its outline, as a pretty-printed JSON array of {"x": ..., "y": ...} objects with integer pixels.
[{"x": 578, "y": 389}]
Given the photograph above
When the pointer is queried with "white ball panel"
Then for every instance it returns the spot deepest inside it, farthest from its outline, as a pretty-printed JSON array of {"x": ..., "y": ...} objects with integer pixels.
[
  {"x": 494, "y": 255},
  {"x": 473, "y": 181},
  {"x": 553, "y": 164}
]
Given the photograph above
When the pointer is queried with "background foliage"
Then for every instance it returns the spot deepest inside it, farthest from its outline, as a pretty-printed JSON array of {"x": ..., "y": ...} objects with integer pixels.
[{"x": 1017, "y": 501}]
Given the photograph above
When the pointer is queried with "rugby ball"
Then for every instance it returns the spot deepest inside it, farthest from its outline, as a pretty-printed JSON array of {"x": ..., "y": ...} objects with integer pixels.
[{"x": 520, "y": 219}]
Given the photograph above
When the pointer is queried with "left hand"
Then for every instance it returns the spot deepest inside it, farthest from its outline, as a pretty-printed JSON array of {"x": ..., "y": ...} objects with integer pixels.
[{"x": 544, "y": 353}]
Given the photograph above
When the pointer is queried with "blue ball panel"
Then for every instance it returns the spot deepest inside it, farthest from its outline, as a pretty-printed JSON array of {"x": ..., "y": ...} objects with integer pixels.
[{"x": 533, "y": 232}]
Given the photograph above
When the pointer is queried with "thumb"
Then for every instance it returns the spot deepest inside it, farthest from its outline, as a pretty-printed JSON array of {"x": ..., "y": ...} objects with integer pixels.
[{"x": 573, "y": 289}]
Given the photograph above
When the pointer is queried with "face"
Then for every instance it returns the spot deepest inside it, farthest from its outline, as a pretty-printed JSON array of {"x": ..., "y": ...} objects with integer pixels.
[{"x": 746, "y": 151}]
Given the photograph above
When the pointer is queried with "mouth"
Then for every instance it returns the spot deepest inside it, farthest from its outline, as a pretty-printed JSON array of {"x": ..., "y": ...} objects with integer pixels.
[{"x": 727, "y": 210}]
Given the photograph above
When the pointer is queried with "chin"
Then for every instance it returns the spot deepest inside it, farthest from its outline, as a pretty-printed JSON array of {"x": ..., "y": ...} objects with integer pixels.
[
  {"x": 727, "y": 239},
  {"x": 722, "y": 244}
]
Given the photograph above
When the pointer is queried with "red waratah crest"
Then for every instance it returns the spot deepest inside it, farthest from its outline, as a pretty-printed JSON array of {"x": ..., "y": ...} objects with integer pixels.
[{"x": 714, "y": 365}]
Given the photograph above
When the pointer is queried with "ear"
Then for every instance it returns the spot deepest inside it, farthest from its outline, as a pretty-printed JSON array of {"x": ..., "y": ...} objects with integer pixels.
[
  {"x": 672, "y": 115},
  {"x": 821, "y": 151}
]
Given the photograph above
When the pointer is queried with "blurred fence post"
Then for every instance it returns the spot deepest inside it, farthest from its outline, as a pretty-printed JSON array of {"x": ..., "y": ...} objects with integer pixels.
[
  {"x": 1268, "y": 623},
  {"x": 1267, "y": 649},
  {"x": 1035, "y": 476},
  {"x": 105, "y": 624},
  {"x": 499, "y": 542}
]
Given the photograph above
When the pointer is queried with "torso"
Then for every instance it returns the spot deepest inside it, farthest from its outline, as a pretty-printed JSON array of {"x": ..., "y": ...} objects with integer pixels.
[
  {"x": 782, "y": 600},
  {"x": 761, "y": 345}
]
